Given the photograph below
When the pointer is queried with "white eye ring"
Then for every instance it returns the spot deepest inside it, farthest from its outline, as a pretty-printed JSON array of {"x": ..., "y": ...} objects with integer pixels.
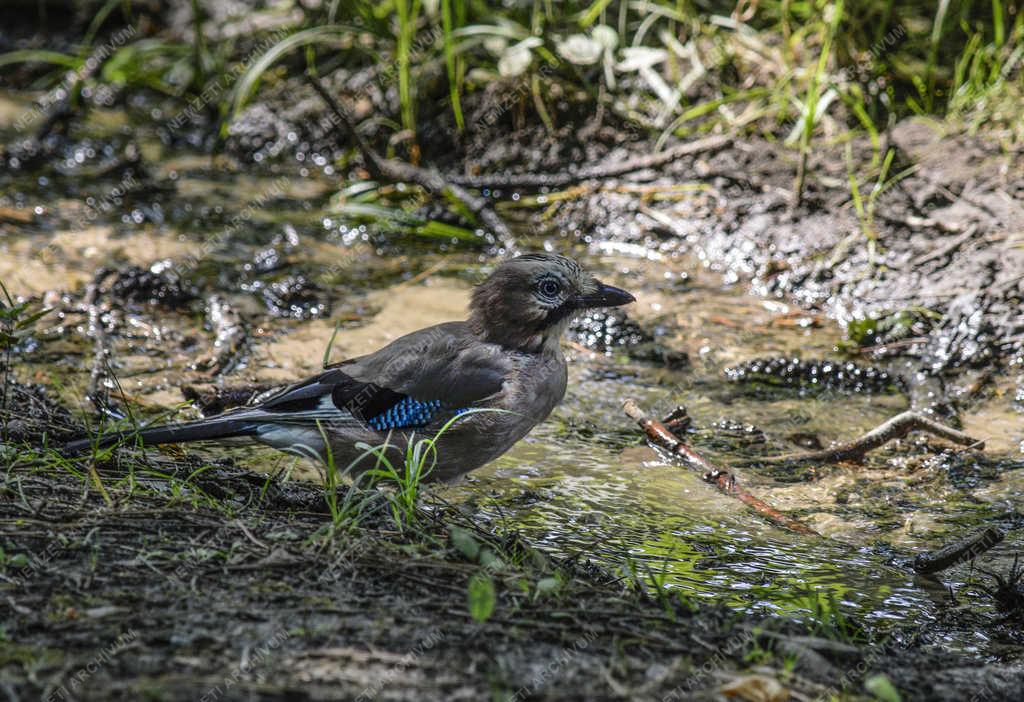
[{"x": 549, "y": 288}]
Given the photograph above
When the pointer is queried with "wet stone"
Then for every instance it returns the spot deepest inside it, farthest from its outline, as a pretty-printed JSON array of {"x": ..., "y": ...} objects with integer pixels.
[
  {"x": 605, "y": 331},
  {"x": 275, "y": 256},
  {"x": 805, "y": 440},
  {"x": 266, "y": 260},
  {"x": 602, "y": 330},
  {"x": 814, "y": 376},
  {"x": 745, "y": 434},
  {"x": 964, "y": 471},
  {"x": 731, "y": 437},
  {"x": 157, "y": 285},
  {"x": 292, "y": 297}
]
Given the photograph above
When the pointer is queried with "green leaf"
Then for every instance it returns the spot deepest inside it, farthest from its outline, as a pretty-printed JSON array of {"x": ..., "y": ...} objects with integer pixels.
[
  {"x": 330, "y": 344},
  {"x": 489, "y": 560},
  {"x": 32, "y": 318},
  {"x": 480, "y": 596},
  {"x": 861, "y": 331},
  {"x": 547, "y": 585},
  {"x": 464, "y": 542},
  {"x": 327, "y": 35},
  {"x": 882, "y": 688},
  {"x": 433, "y": 228},
  {"x": 593, "y": 12},
  {"x": 40, "y": 56}
]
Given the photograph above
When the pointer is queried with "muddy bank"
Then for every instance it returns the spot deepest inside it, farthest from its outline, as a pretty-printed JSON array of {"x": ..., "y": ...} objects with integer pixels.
[
  {"x": 188, "y": 580},
  {"x": 922, "y": 261},
  {"x": 932, "y": 270}
]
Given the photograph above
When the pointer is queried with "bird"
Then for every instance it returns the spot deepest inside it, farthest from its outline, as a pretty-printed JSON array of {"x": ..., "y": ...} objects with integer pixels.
[{"x": 486, "y": 382}]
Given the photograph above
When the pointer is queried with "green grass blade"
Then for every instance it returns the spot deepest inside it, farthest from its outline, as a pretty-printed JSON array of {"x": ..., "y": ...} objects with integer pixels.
[
  {"x": 327, "y": 35},
  {"x": 593, "y": 12},
  {"x": 40, "y": 56},
  {"x": 451, "y": 63},
  {"x": 330, "y": 344}
]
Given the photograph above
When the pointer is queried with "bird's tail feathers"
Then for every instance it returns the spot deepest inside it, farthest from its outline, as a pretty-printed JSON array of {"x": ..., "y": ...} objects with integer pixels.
[{"x": 225, "y": 427}]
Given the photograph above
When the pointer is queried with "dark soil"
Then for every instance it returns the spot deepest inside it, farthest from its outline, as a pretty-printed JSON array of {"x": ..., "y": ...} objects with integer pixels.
[
  {"x": 142, "y": 598},
  {"x": 198, "y": 580}
]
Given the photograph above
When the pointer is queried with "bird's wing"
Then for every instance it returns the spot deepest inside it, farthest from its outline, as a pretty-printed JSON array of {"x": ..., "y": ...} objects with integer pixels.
[{"x": 438, "y": 368}]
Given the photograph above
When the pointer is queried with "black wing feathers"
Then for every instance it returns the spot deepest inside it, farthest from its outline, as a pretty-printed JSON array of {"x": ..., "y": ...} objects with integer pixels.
[{"x": 363, "y": 400}]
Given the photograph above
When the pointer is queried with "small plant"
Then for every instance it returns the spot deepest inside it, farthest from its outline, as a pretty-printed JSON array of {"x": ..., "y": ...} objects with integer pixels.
[
  {"x": 453, "y": 63},
  {"x": 14, "y": 560},
  {"x": 866, "y": 210},
  {"x": 419, "y": 461},
  {"x": 345, "y": 512},
  {"x": 481, "y": 597},
  {"x": 829, "y": 621},
  {"x": 816, "y": 101},
  {"x": 1008, "y": 592},
  {"x": 17, "y": 321}
]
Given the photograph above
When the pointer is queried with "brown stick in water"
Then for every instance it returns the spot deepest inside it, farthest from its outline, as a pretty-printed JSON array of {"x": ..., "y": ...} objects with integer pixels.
[
  {"x": 895, "y": 428},
  {"x": 966, "y": 549},
  {"x": 659, "y": 435}
]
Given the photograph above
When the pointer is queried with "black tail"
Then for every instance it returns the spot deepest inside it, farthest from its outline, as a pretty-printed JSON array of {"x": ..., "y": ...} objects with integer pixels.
[{"x": 202, "y": 430}]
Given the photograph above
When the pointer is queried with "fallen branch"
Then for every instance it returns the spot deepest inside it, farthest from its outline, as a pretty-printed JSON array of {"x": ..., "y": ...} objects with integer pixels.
[
  {"x": 966, "y": 549},
  {"x": 895, "y": 428},
  {"x": 400, "y": 171},
  {"x": 659, "y": 435},
  {"x": 598, "y": 172}
]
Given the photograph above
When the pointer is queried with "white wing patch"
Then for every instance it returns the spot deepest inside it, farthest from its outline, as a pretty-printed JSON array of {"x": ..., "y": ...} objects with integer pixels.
[
  {"x": 305, "y": 442},
  {"x": 325, "y": 411}
]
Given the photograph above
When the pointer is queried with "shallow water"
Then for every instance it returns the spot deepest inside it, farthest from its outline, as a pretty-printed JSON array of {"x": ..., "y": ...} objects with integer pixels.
[
  {"x": 577, "y": 495},
  {"x": 583, "y": 482}
]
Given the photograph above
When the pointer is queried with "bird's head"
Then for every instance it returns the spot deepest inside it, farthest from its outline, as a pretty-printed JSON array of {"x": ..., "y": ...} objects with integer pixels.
[{"x": 528, "y": 301}]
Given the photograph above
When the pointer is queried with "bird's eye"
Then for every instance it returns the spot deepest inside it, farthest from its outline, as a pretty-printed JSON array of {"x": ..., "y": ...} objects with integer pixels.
[{"x": 550, "y": 288}]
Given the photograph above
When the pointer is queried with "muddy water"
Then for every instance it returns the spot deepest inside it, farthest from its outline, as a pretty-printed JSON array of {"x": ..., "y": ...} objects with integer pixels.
[{"x": 581, "y": 483}]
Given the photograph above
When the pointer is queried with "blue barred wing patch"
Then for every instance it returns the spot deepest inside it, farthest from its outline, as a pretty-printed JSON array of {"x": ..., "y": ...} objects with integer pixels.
[{"x": 408, "y": 412}]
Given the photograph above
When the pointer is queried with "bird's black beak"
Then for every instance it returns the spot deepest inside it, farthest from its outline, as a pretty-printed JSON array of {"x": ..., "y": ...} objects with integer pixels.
[{"x": 604, "y": 296}]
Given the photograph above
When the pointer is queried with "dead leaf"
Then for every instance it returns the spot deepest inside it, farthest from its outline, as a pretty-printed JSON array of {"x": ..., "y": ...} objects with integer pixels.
[{"x": 756, "y": 688}]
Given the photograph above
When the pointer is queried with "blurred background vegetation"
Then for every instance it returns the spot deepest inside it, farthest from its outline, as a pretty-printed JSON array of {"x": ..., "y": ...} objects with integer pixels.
[{"x": 786, "y": 69}]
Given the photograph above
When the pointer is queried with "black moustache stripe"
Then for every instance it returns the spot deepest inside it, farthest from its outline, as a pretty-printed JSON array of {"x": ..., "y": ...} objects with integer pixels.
[{"x": 557, "y": 314}]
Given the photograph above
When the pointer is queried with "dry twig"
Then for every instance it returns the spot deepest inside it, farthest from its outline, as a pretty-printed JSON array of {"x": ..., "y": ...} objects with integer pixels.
[{"x": 894, "y": 428}]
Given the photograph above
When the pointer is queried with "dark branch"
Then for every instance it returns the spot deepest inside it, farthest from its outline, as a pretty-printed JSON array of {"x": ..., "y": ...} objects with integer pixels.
[
  {"x": 601, "y": 171},
  {"x": 895, "y": 428}
]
